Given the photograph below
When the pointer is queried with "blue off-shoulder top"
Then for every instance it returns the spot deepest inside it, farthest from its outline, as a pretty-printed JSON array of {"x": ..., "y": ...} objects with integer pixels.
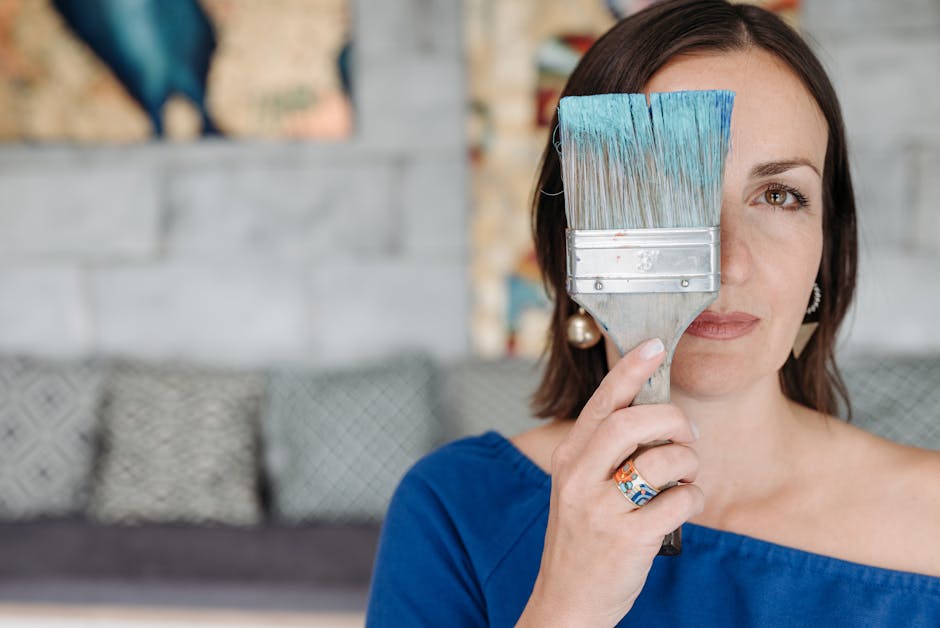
[{"x": 462, "y": 541}]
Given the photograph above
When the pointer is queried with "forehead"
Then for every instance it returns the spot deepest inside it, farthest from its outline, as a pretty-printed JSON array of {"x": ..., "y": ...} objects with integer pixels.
[{"x": 774, "y": 115}]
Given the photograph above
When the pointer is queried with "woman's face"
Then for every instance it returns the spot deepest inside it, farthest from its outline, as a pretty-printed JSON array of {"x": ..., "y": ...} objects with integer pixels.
[{"x": 771, "y": 218}]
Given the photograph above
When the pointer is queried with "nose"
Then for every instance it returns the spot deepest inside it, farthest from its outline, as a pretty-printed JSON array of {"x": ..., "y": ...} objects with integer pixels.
[{"x": 735, "y": 254}]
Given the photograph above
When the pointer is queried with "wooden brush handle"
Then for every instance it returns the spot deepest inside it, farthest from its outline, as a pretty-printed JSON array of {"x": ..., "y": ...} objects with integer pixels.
[
  {"x": 630, "y": 319},
  {"x": 656, "y": 390}
]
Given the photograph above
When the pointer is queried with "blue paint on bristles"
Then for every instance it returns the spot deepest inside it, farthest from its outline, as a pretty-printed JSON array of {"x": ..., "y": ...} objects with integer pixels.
[{"x": 627, "y": 164}]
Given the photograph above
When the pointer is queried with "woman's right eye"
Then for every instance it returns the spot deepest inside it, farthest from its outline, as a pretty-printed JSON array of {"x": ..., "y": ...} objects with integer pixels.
[{"x": 782, "y": 196}]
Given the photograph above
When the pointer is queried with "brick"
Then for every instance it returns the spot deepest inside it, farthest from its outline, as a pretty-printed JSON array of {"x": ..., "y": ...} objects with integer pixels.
[
  {"x": 251, "y": 315},
  {"x": 298, "y": 214},
  {"x": 861, "y": 19},
  {"x": 409, "y": 83},
  {"x": 888, "y": 88},
  {"x": 926, "y": 193},
  {"x": 42, "y": 311},
  {"x": 895, "y": 310},
  {"x": 412, "y": 104},
  {"x": 881, "y": 178},
  {"x": 368, "y": 311},
  {"x": 212, "y": 313},
  {"x": 434, "y": 208},
  {"x": 408, "y": 27},
  {"x": 87, "y": 213}
]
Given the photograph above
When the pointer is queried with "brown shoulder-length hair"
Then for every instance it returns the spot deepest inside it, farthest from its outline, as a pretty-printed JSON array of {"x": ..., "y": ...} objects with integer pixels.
[{"x": 623, "y": 60}]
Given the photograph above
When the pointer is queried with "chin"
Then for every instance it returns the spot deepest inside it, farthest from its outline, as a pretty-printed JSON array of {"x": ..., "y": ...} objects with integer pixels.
[
  {"x": 705, "y": 376},
  {"x": 710, "y": 368}
]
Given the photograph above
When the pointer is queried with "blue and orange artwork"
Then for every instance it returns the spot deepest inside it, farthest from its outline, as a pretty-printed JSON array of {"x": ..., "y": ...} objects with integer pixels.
[
  {"x": 155, "y": 48},
  {"x": 556, "y": 57},
  {"x": 133, "y": 70},
  {"x": 525, "y": 292}
]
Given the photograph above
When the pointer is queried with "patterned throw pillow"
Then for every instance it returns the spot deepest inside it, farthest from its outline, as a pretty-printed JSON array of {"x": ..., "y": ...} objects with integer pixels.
[
  {"x": 178, "y": 444},
  {"x": 897, "y": 397},
  {"x": 47, "y": 425},
  {"x": 486, "y": 395},
  {"x": 337, "y": 443}
]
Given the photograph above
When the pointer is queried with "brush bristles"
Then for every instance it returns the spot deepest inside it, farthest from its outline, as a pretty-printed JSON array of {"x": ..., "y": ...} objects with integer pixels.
[{"x": 629, "y": 165}]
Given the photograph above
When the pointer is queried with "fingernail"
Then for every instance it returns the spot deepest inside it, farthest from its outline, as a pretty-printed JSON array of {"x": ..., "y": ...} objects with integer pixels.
[
  {"x": 651, "y": 348},
  {"x": 695, "y": 431}
]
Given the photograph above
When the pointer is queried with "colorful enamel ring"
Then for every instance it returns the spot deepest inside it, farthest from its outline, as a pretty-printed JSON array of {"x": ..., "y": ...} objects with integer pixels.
[{"x": 633, "y": 486}]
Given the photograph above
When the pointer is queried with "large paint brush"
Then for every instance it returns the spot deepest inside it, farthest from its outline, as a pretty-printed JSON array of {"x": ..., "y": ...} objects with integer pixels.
[{"x": 642, "y": 182}]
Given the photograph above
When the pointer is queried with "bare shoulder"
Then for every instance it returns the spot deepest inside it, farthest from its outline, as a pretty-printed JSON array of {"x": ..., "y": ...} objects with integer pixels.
[
  {"x": 916, "y": 522},
  {"x": 918, "y": 479},
  {"x": 891, "y": 498}
]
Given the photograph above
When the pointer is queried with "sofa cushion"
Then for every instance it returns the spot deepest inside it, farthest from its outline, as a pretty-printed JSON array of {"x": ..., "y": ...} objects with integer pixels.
[
  {"x": 481, "y": 395},
  {"x": 178, "y": 444},
  {"x": 337, "y": 442},
  {"x": 896, "y": 397},
  {"x": 47, "y": 425}
]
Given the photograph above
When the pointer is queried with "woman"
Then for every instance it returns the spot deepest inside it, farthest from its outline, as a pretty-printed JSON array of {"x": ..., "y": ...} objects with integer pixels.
[{"x": 791, "y": 516}]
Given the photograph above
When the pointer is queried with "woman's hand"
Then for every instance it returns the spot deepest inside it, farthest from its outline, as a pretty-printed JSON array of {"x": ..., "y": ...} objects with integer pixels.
[{"x": 599, "y": 547}]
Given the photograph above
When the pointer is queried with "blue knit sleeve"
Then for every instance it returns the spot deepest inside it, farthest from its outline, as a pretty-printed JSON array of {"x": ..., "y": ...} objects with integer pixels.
[{"x": 422, "y": 575}]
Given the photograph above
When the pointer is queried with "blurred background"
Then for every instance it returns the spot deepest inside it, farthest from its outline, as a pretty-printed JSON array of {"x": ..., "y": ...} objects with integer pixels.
[{"x": 256, "y": 258}]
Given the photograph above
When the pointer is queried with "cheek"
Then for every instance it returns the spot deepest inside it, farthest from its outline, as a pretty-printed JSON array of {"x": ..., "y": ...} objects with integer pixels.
[
  {"x": 794, "y": 235},
  {"x": 783, "y": 257},
  {"x": 791, "y": 297},
  {"x": 788, "y": 268},
  {"x": 783, "y": 275}
]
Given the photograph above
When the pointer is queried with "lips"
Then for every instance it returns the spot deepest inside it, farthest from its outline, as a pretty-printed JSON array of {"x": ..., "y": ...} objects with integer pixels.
[{"x": 722, "y": 326}]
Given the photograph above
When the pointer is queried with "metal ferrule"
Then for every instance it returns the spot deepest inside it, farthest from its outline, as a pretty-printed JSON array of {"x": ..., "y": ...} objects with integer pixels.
[{"x": 643, "y": 260}]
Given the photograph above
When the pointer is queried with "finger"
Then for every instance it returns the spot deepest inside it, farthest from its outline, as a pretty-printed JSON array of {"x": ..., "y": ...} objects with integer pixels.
[
  {"x": 666, "y": 465},
  {"x": 619, "y": 436},
  {"x": 618, "y": 388},
  {"x": 666, "y": 512}
]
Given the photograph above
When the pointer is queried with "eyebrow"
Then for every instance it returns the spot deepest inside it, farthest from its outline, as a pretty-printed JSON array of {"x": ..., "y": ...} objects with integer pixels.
[{"x": 771, "y": 168}]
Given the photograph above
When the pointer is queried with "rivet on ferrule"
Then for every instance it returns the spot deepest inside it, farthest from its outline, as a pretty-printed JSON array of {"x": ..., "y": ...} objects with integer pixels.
[{"x": 598, "y": 285}]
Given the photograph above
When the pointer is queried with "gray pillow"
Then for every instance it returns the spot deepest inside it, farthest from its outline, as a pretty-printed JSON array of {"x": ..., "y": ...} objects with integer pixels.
[
  {"x": 486, "y": 395},
  {"x": 338, "y": 442},
  {"x": 896, "y": 397},
  {"x": 47, "y": 425},
  {"x": 178, "y": 444}
]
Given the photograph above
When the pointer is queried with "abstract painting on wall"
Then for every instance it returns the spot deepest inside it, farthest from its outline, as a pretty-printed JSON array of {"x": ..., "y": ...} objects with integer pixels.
[
  {"x": 135, "y": 70},
  {"x": 520, "y": 55}
]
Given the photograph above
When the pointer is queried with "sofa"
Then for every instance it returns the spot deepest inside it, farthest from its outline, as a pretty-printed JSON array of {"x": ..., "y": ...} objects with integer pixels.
[
  {"x": 178, "y": 485},
  {"x": 124, "y": 482}
]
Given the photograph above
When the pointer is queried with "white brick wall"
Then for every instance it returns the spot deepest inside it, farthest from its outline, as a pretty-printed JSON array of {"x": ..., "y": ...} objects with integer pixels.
[
  {"x": 258, "y": 253},
  {"x": 884, "y": 58},
  {"x": 254, "y": 253},
  {"x": 301, "y": 212},
  {"x": 77, "y": 212},
  {"x": 44, "y": 309},
  {"x": 926, "y": 198}
]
